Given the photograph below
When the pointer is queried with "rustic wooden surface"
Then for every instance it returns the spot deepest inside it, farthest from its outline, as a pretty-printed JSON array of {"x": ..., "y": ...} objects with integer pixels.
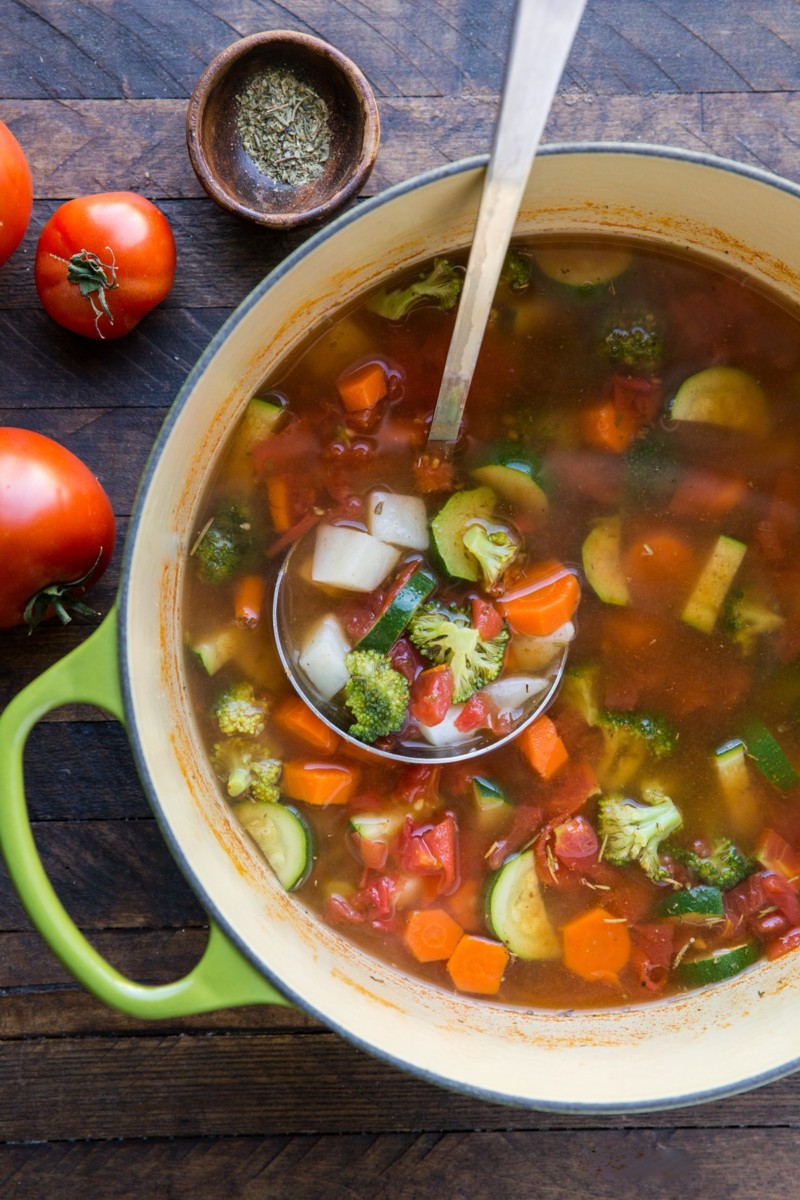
[{"x": 264, "y": 1102}]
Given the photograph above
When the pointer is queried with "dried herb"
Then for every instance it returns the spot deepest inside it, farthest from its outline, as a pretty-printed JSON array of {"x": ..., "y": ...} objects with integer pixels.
[{"x": 283, "y": 125}]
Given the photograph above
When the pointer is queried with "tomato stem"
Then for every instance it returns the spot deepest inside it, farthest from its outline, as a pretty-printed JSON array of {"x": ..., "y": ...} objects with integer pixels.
[
  {"x": 94, "y": 278},
  {"x": 58, "y": 596}
]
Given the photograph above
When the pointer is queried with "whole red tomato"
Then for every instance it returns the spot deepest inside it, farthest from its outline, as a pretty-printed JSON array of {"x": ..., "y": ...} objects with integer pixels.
[
  {"x": 56, "y": 528},
  {"x": 103, "y": 262},
  {"x": 16, "y": 193}
]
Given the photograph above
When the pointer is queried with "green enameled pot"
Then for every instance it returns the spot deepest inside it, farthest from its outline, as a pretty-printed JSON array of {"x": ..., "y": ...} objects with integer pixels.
[{"x": 264, "y": 946}]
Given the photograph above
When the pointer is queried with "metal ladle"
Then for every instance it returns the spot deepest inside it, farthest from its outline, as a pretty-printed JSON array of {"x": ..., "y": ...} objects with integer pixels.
[{"x": 542, "y": 37}]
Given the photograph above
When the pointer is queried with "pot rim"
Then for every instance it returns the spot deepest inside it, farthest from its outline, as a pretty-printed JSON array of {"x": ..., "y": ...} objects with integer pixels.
[{"x": 647, "y": 150}]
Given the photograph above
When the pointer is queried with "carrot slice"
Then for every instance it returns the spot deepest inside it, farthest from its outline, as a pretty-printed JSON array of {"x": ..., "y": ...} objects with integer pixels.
[
  {"x": 596, "y": 945},
  {"x": 319, "y": 783},
  {"x": 610, "y": 426},
  {"x": 431, "y": 934},
  {"x": 295, "y": 717},
  {"x": 542, "y": 747},
  {"x": 363, "y": 388},
  {"x": 280, "y": 507},
  {"x": 477, "y": 965},
  {"x": 248, "y": 599},
  {"x": 659, "y": 566},
  {"x": 540, "y": 607}
]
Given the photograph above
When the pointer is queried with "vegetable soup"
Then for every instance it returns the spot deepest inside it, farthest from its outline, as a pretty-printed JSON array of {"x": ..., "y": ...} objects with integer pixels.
[{"x": 625, "y": 492}]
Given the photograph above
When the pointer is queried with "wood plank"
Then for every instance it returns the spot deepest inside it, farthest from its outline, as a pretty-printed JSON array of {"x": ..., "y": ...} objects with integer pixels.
[
  {"x": 658, "y": 1164},
  {"x": 253, "y": 1084}
]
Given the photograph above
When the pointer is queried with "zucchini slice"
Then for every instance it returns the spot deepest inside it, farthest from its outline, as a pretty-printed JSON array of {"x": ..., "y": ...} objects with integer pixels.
[
  {"x": 695, "y": 906},
  {"x": 601, "y": 562},
  {"x": 450, "y": 524},
  {"x": 390, "y": 624},
  {"x": 516, "y": 912},
  {"x": 723, "y": 396},
  {"x": 515, "y": 483},
  {"x": 768, "y": 756},
  {"x": 584, "y": 268},
  {"x": 719, "y": 965},
  {"x": 282, "y": 836},
  {"x": 708, "y": 595}
]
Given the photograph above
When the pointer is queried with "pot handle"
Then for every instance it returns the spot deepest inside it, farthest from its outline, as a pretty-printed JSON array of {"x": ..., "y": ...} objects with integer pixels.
[{"x": 223, "y": 978}]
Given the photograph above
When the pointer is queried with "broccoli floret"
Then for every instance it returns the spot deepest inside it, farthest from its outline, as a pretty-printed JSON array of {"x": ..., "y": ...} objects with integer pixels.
[
  {"x": 495, "y": 551},
  {"x": 723, "y": 867},
  {"x": 448, "y": 636},
  {"x": 376, "y": 694},
  {"x": 224, "y": 544},
  {"x": 247, "y": 766},
  {"x": 632, "y": 832},
  {"x": 746, "y": 617},
  {"x": 580, "y": 688},
  {"x": 442, "y": 285},
  {"x": 631, "y": 738},
  {"x": 634, "y": 342},
  {"x": 517, "y": 271},
  {"x": 238, "y": 710}
]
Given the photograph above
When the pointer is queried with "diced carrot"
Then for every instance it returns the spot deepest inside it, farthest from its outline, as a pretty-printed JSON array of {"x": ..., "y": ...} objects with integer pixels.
[
  {"x": 319, "y": 783},
  {"x": 363, "y": 388},
  {"x": 596, "y": 945},
  {"x": 248, "y": 599},
  {"x": 295, "y": 717},
  {"x": 710, "y": 494},
  {"x": 610, "y": 426},
  {"x": 477, "y": 965},
  {"x": 464, "y": 905},
  {"x": 280, "y": 506},
  {"x": 542, "y": 747},
  {"x": 431, "y": 934},
  {"x": 659, "y": 567},
  {"x": 540, "y": 607}
]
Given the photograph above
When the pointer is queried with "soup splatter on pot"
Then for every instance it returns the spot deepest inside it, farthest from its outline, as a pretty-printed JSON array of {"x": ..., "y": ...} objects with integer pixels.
[{"x": 627, "y": 483}]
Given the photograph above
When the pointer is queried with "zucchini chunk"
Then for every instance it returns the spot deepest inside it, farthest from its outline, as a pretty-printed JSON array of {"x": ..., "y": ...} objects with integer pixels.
[
  {"x": 703, "y": 606},
  {"x": 723, "y": 396},
  {"x": 516, "y": 912},
  {"x": 601, "y": 562},
  {"x": 768, "y": 756}
]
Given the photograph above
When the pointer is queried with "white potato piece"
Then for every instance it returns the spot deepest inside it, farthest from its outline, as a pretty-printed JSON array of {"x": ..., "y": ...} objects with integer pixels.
[
  {"x": 529, "y": 653},
  {"x": 349, "y": 559},
  {"x": 514, "y": 691},
  {"x": 445, "y": 733},
  {"x": 322, "y": 656},
  {"x": 400, "y": 520}
]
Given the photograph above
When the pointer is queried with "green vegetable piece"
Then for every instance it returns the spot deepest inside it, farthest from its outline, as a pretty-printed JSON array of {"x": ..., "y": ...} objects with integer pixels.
[
  {"x": 580, "y": 689},
  {"x": 238, "y": 710},
  {"x": 632, "y": 832},
  {"x": 722, "y": 868},
  {"x": 634, "y": 342},
  {"x": 451, "y": 523},
  {"x": 586, "y": 269},
  {"x": 216, "y": 650},
  {"x": 390, "y": 624},
  {"x": 629, "y": 740},
  {"x": 488, "y": 796},
  {"x": 225, "y": 544},
  {"x": 696, "y": 906},
  {"x": 602, "y": 562},
  {"x": 442, "y": 286},
  {"x": 723, "y": 396},
  {"x": 261, "y": 419},
  {"x": 247, "y": 766},
  {"x": 717, "y": 966},
  {"x": 517, "y": 270},
  {"x": 768, "y": 756},
  {"x": 376, "y": 694},
  {"x": 283, "y": 837},
  {"x": 516, "y": 483},
  {"x": 448, "y": 636},
  {"x": 495, "y": 550},
  {"x": 708, "y": 595},
  {"x": 747, "y": 617},
  {"x": 516, "y": 911}
]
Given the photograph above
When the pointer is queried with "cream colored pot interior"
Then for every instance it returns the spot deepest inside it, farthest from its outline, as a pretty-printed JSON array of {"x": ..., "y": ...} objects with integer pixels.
[{"x": 670, "y": 1052}]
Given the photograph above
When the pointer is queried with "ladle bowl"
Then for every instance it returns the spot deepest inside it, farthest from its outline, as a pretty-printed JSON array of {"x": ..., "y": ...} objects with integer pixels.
[{"x": 292, "y": 588}]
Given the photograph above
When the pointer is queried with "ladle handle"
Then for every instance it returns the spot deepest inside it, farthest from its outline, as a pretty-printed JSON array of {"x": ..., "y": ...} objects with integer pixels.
[
  {"x": 540, "y": 44},
  {"x": 223, "y": 978}
]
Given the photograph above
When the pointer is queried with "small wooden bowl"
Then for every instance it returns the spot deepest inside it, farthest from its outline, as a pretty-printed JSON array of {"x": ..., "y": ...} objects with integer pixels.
[{"x": 226, "y": 170}]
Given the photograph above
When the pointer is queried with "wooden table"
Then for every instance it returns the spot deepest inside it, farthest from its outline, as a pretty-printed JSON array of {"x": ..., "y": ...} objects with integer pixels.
[{"x": 260, "y": 1101}]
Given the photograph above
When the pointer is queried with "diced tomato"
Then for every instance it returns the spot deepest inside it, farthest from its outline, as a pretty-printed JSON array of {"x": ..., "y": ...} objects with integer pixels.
[
  {"x": 474, "y": 715},
  {"x": 573, "y": 786},
  {"x": 297, "y": 443},
  {"x": 432, "y": 850},
  {"x": 417, "y": 786},
  {"x": 373, "y": 852},
  {"x": 651, "y": 954},
  {"x": 775, "y": 854},
  {"x": 774, "y": 534},
  {"x": 642, "y": 396},
  {"x": 525, "y": 824},
  {"x": 575, "y": 842},
  {"x": 374, "y": 904},
  {"x": 431, "y": 695},
  {"x": 784, "y": 944},
  {"x": 406, "y": 659},
  {"x": 754, "y": 902},
  {"x": 486, "y": 619}
]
